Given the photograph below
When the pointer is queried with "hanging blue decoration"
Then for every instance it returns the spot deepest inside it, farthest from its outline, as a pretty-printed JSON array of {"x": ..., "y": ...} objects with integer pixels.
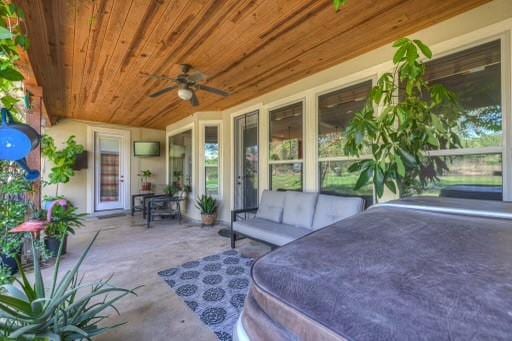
[{"x": 17, "y": 140}]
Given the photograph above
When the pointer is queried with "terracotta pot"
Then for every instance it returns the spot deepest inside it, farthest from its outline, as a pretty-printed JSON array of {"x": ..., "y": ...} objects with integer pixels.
[
  {"x": 146, "y": 186},
  {"x": 208, "y": 219}
]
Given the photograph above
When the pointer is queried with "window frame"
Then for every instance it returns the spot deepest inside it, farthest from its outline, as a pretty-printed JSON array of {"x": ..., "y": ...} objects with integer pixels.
[
  {"x": 173, "y": 133},
  {"x": 506, "y": 158},
  {"x": 270, "y": 162},
  {"x": 373, "y": 79},
  {"x": 202, "y": 163}
]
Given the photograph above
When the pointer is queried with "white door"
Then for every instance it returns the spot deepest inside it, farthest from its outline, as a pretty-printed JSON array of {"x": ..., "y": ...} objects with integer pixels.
[{"x": 109, "y": 172}]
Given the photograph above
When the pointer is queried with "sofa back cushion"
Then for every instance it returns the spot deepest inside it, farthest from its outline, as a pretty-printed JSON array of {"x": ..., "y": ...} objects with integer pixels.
[
  {"x": 299, "y": 208},
  {"x": 331, "y": 208},
  {"x": 271, "y": 206}
]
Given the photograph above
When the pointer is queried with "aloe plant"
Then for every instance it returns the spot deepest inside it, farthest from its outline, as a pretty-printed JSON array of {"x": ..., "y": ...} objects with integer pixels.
[
  {"x": 61, "y": 312},
  {"x": 206, "y": 204}
]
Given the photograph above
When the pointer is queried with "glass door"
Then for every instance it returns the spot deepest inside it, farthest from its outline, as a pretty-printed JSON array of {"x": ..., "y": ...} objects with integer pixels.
[
  {"x": 246, "y": 160},
  {"x": 109, "y": 178},
  {"x": 180, "y": 161}
]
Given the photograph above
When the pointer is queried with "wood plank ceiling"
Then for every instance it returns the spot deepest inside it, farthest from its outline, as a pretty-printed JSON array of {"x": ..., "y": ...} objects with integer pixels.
[{"x": 88, "y": 55}]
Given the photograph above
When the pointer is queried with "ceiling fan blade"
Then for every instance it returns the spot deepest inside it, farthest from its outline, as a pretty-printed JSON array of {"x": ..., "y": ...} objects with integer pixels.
[
  {"x": 163, "y": 91},
  {"x": 159, "y": 77},
  {"x": 194, "y": 100},
  {"x": 196, "y": 76},
  {"x": 212, "y": 90}
]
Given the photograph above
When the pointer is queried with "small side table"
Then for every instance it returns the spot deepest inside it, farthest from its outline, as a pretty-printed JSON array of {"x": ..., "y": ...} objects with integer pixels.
[{"x": 140, "y": 195}]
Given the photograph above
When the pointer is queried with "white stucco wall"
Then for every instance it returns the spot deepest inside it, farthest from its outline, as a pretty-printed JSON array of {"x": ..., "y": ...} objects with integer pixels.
[{"x": 76, "y": 189}]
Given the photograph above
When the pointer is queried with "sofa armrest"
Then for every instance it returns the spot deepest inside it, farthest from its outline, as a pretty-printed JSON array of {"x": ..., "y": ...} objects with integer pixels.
[{"x": 235, "y": 213}]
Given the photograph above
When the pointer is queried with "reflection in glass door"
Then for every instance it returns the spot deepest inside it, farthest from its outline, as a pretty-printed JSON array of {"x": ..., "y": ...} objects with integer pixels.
[
  {"x": 108, "y": 172},
  {"x": 246, "y": 160}
]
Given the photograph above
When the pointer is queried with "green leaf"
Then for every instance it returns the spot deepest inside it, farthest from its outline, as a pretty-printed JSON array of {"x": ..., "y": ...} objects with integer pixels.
[
  {"x": 400, "y": 42},
  {"x": 409, "y": 158},
  {"x": 391, "y": 185},
  {"x": 338, "y": 4},
  {"x": 378, "y": 181},
  {"x": 5, "y": 33},
  {"x": 412, "y": 53},
  {"x": 16, "y": 304},
  {"x": 399, "y": 54},
  {"x": 11, "y": 74},
  {"x": 363, "y": 179},
  {"x": 431, "y": 139},
  {"x": 436, "y": 122},
  {"x": 400, "y": 165},
  {"x": 424, "y": 48}
]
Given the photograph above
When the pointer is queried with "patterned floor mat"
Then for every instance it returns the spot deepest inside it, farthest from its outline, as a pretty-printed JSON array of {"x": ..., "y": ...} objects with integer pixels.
[{"x": 214, "y": 287}]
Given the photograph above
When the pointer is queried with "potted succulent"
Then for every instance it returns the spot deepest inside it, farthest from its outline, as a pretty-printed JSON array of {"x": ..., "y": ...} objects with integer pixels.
[
  {"x": 208, "y": 207},
  {"x": 59, "y": 310},
  {"x": 62, "y": 219},
  {"x": 145, "y": 185}
]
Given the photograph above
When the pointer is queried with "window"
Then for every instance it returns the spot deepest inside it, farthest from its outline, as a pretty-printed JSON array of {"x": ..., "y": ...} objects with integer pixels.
[
  {"x": 475, "y": 170},
  {"x": 211, "y": 160},
  {"x": 180, "y": 160},
  {"x": 286, "y": 148},
  {"x": 335, "y": 110}
]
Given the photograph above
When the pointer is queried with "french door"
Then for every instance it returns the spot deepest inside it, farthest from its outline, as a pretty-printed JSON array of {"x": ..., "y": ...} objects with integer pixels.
[
  {"x": 246, "y": 160},
  {"x": 109, "y": 173}
]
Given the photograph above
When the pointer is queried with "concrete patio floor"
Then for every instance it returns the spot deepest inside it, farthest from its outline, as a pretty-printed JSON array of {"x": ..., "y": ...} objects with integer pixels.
[{"x": 134, "y": 254}]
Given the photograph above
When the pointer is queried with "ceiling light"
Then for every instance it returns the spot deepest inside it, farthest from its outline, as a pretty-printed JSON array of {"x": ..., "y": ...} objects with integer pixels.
[{"x": 185, "y": 94}]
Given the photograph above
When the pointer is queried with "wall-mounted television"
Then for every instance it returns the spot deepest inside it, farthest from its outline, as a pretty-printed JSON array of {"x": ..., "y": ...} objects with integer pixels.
[{"x": 146, "y": 148}]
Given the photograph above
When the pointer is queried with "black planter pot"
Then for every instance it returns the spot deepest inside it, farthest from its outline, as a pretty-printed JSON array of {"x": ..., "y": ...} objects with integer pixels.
[
  {"x": 52, "y": 244},
  {"x": 9, "y": 262}
]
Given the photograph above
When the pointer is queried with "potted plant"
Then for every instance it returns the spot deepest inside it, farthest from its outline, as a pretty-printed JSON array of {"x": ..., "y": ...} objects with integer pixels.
[
  {"x": 60, "y": 310},
  {"x": 14, "y": 192},
  {"x": 62, "y": 219},
  {"x": 144, "y": 177},
  {"x": 415, "y": 117},
  {"x": 208, "y": 207},
  {"x": 63, "y": 160}
]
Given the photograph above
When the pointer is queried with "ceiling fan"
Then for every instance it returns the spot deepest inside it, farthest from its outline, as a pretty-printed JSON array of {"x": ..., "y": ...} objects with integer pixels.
[{"x": 187, "y": 84}]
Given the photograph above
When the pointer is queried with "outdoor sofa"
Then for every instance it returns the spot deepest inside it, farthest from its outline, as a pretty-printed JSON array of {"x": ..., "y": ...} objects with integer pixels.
[{"x": 285, "y": 216}]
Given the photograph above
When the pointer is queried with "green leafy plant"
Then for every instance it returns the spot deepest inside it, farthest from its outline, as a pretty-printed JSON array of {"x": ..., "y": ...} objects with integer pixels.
[
  {"x": 64, "y": 220},
  {"x": 206, "y": 204},
  {"x": 14, "y": 203},
  {"x": 339, "y": 3},
  {"x": 61, "y": 311},
  {"x": 5, "y": 275},
  {"x": 145, "y": 175},
  {"x": 415, "y": 117},
  {"x": 12, "y": 40},
  {"x": 171, "y": 189},
  {"x": 63, "y": 160}
]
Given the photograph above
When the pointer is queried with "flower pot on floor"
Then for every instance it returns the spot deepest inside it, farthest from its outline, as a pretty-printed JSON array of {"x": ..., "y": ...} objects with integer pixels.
[
  {"x": 208, "y": 219},
  {"x": 10, "y": 263},
  {"x": 52, "y": 244}
]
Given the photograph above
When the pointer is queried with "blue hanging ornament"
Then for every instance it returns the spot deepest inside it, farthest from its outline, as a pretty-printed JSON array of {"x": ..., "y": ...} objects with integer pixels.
[{"x": 17, "y": 140}]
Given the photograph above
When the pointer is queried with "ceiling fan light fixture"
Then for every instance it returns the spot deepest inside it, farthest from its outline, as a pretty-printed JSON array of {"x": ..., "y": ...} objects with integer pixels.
[{"x": 185, "y": 94}]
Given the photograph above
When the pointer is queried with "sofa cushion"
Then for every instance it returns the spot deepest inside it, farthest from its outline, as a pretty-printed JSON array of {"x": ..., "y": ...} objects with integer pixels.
[
  {"x": 299, "y": 208},
  {"x": 331, "y": 208},
  {"x": 271, "y": 206},
  {"x": 268, "y": 231}
]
